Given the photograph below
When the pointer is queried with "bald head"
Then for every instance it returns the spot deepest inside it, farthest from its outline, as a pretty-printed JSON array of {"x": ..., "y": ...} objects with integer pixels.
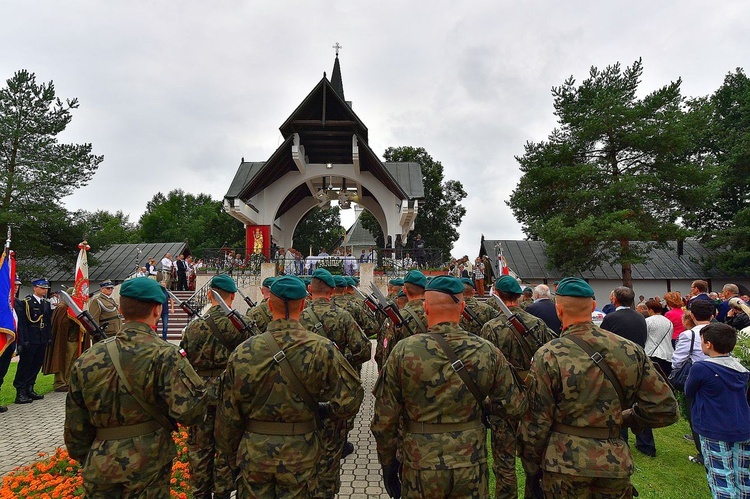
[
  {"x": 573, "y": 310},
  {"x": 442, "y": 307}
]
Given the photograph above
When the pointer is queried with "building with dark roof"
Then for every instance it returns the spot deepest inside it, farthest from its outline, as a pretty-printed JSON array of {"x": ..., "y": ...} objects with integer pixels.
[{"x": 324, "y": 158}]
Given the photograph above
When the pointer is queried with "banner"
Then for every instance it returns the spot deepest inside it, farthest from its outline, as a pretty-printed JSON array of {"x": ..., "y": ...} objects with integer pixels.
[
  {"x": 81, "y": 280},
  {"x": 8, "y": 319},
  {"x": 258, "y": 240}
]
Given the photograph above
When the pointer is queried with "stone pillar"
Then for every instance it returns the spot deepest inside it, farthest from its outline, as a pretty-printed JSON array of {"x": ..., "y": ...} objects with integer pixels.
[{"x": 366, "y": 275}]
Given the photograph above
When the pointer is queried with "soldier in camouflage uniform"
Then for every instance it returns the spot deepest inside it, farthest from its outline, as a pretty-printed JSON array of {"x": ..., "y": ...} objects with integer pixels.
[
  {"x": 413, "y": 312},
  {"x": 385, "y": 331},
  {"x": 483, "y": 312},
  {"x": 394, "y": 286},
  {"x": 123, "y": 438},
  {"x": 260, "y": 313},
  {"x": 570, "y": 436},
  {"x": 444, "y": 444},
  {"x": 527, "y": 298},
  {"x": 208, "y": 342},
  {"x": 104, "y": 309},
  {"x": 266, "y": 421},
  {"x": 336, "y": 324},
  {"x": 518, "y": 348}
]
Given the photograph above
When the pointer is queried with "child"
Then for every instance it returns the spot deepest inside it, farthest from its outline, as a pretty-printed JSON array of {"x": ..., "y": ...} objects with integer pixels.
[{"x": 720, "y": 412}]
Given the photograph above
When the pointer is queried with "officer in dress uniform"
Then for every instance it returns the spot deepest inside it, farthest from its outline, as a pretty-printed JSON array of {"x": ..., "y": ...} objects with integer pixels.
[
  {"x": 208, "y": 342},
  {"x": 126, "y": 395},
  {"x": 34, "y": 334},
  {"x": 105, "y": 310},
  {"x": 276, "y": 387},
  {"x": 441, "y": 385},
  {"x": 583, "y": 387},
  {"x": 260, "y": 314}
]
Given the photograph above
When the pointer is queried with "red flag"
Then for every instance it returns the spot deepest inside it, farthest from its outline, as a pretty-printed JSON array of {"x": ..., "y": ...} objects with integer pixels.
[
  {"x": 81, "y": 281},
  {"x": 504, "y": 270}
]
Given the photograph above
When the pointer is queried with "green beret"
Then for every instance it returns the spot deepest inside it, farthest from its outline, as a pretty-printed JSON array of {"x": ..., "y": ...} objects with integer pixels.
[
  {"x": 396, "y": 282},
  {"x": 324, "y": 276},
  {"x": 289, "y": 287},
  {"x": 556, "y": 283},
  {"x": 446, "y": 284},
  {"x": 508, "y": 284},
  {"x": 142, "y": 290},
  {"x": 340, "y": 281},
  {"x": 350, "y": 282},
  {"x": 356, "y": 280},
  {"x": 224, "y": 282},
  {"x": 268, "y": 282},
  {"x": 576, "y": 287},
  {"x": 306, "y": 279},
  {"x": 468, "y": 282},
  {"x": 401, "y": 294},
  {"x": 417, "y": 278}
]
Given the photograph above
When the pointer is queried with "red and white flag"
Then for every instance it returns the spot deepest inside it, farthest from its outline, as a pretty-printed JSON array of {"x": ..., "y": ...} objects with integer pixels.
[
  {"x": 504, "y": 270},
  {"x": 81, "y": 281}
]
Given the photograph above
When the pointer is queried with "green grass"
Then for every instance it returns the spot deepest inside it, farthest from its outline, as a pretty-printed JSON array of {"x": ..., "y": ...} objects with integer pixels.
[
  {"x": 8, "y": 393},
  {"x": 668, "y": 475}
]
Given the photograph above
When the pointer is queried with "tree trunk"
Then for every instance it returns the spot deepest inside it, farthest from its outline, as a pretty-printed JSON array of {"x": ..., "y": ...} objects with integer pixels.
[{"x": 627, "y": 272}]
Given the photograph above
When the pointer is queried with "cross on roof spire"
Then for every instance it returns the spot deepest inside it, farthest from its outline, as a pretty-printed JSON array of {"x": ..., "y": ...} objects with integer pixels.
[{"x": 338, "y": 47}]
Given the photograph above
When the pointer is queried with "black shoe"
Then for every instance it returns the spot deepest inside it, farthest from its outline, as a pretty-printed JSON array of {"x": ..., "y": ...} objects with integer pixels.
[
  {"x": 3, "y": 409},
  {"x": 348, "y": 449},
  {"x": 697, "y": 459},
  {"x": 22, "y": 397},
  {"x": 647, "y": 453},
  {"x": 34, "y": 395}
]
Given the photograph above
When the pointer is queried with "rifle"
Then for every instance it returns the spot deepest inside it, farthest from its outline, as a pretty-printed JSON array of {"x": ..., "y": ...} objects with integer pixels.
[
  {"x": 390, "y": 309},
  {"x": 237, "y": 320},
  {"x": 515, "y": 321},
  {"x": 84, "y": 317},
  {"x": 470, "y": 315},
  {"x": 183, "y": 305},
  {"x": 370, "y": 303},
  {"x": 250, "y": 302}
]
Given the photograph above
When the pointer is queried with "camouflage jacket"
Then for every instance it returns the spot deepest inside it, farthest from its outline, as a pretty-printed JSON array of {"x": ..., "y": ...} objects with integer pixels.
[
  {"x": 340, "y": 327},
  {"x": 419, "y": 384},
  {"x": 412, "y": 312},
  {"x": 565, "y": 386},
  {"x": 261, "y": 315},
  {"x": 484, "y": 313},
  {"x": 203, "y": 348},
  {"x": 363, "y": 315},
  {"x": 499, "y": 333},
  {"x": 254, "y": 388},
  {"x": 98, "y": 399}
]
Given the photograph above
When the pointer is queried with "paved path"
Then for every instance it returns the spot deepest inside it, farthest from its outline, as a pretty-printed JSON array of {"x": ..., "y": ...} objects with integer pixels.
[{"x": 27, "y": 430}]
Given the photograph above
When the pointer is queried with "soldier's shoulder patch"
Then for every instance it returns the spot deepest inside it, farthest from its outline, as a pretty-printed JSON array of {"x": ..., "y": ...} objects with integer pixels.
[{"x": 182, "y": 352}]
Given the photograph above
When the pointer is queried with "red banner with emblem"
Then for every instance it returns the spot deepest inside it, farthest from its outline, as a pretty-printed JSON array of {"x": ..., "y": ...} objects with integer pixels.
[{"x": 81, "y": 280}]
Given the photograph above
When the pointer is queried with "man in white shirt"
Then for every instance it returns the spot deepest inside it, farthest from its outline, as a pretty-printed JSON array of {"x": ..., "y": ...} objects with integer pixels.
[{"x": 166, "y": 270}]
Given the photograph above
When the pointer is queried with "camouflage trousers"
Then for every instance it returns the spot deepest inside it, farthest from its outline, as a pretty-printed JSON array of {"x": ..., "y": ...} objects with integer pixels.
[
  {"x": 154, "y": 486},
  {"x": 471, "y": 482},
  {"x": 209, "y": 470},
  {"x": 504, "y": 434},
  {"x": 332, "y": 437},
  {"x": 559, "y": 485},
  {"x": 281, "y": 485}
]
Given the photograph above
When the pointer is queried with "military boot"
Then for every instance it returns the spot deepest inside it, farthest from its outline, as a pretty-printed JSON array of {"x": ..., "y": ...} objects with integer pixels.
[
  {"x": 33, "y": 395},
  {"x": 22, "y": 397}
]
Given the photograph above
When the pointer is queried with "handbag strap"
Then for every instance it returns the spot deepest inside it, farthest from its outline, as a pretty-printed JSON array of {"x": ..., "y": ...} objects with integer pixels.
[
  {"x": 659, "y": 343},
  {"x": 598, "y": 359},
  {"x": 294, "y": 382},
  {"x": 114, "y": 353},
  {"x": 458, "y": 366}
]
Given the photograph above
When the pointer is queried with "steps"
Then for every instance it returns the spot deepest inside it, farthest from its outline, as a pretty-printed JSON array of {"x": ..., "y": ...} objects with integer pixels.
[{"x": 178, "y": 319}]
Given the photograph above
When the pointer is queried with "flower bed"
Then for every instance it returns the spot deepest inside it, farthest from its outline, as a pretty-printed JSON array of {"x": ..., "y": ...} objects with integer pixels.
[{"x": 58, "y": 476}]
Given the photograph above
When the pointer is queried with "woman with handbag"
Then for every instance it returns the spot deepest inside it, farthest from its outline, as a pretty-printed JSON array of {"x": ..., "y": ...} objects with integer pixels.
[{"x": 688, "y": 351}]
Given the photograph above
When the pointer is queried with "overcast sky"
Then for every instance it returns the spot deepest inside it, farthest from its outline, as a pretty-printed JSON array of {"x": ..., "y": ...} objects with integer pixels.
[{"x": 173, "y": 94}]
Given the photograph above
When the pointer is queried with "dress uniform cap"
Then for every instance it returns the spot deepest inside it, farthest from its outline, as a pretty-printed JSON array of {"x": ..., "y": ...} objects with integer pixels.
[
  {"x": 576, "y": 287},
  {"x": 340, "y": 281},
  {"x": 446, "y": 284},
  {"x": 289, "y": 287},
  {"x": 18, "y": 281},
  {"x": 350, "y": 282},
  {"x": 416, "y": 277},
  {"x": 107, "y": 284},
  {"x": 142, "y": 290},
  {"x": 268, "y": 282},
  {"x": 324, "y": 276},
  {"x": 41, "y": 283},
  {"x": 468, "y": 282},
  {"x": 508, "y": 284},
  {"x": 224, "y": 282},
  {"x": 396, "y": 282}
]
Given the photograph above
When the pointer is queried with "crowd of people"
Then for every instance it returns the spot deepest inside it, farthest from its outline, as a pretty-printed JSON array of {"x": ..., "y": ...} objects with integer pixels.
[{"x": 269, "y": 404}]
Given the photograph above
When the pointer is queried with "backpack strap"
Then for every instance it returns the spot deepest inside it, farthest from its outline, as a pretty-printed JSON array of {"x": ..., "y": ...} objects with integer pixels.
[{"x": 598, "y": 359}]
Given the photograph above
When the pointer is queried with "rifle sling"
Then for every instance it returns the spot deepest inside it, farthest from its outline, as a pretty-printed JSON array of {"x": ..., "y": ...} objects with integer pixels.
[
  {"x": 458, "y": 366},
  {"x": 318, "y": 323},
  {"x": 601, "y": 364},
  {"x": 525, "y": 348},
  {"x": 295, "y": 384},
  {"x": 114, "y": 353},
  {"x": 218, "y": 334},
  {"x": 421, "y": 325}
]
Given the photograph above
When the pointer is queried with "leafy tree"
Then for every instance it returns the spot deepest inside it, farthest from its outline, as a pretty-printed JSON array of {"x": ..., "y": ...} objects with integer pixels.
[
  {"x": 618, "y": 169},
  {"x": 103, "y": 229},
  {"x": 198, "y": 219},
  {"x": 440, "y": 212},
  {"x": 36, "y": 171},
  {"x": 318, "y": 229},
  {"x": 722, "y": 210}
]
